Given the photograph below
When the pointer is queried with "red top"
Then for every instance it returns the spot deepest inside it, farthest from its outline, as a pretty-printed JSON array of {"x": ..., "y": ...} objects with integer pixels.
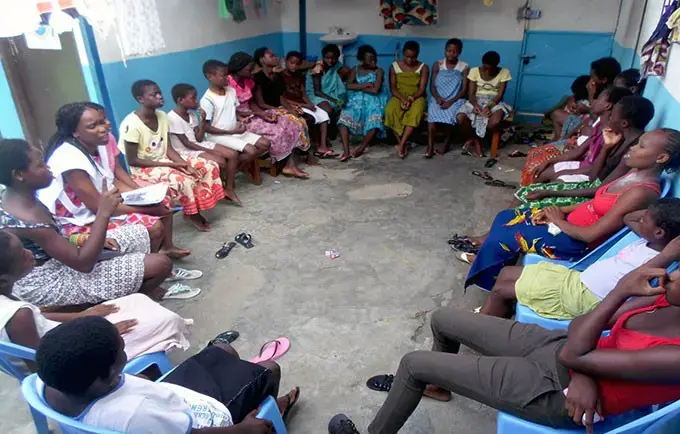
[
  {"x": 590, "y": 212},
  {"x": 620, "y": 396}
]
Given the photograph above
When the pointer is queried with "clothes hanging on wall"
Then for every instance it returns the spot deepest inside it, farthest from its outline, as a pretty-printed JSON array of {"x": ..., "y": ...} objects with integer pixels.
[
  {"x": 397, "y": 13},
  {"x": 236, "y": 9},
  {"x": 140, "y": 27},
  {"x": 654, "y": 55},
  {"x": 673, "y": 24}
]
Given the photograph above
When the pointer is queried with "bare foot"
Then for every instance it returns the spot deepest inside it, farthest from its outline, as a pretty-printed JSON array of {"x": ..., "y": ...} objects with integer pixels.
[
  {"x": 157, "y": 294},
  {"x": 428, "y": 154},
  {"x": 443, "y": 150},
  {"x": 402, "y": 151},
  {"x": 311, "y": 160},
  {"x": 173, "y": 252},
  {"x": 437, "y": 393},
  {"x": 295, "y": 173},
  {"x": 231, "y": 196},
  {"x": 358, "y": 152},
  {"x": 199, "y": 222},
  {"x": 345, "y": 156}
]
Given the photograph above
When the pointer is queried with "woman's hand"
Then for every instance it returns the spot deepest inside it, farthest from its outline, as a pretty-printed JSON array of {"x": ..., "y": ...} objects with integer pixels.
[
  {"x": 239, "y": 128},
  {"x": 636, "y": 283},
  {"x": 405, "y": 105},
  {"x": 540, "y": 169},
  {"x": 157, "y": 210},
  {"x": 268, "y": 117},
  {"x": 191, "y": 171},
  {"x": 486, "y": 111},
  {"x": 297, "y": 110},
  {"x": 611, "y": 138},
  {"x": 201, "y": 114},
  {"x": 111, "y": 244},
  {"x": 583, "y": 401},
  {"x": 553, "y": 214},
  {"x": 100, "y": 310},
  {"x": 539, "y": 218},
  {"x": 109, "y": 200},
  {"x": 440, "y": 101},
  {"x": 126, "y": 326}
]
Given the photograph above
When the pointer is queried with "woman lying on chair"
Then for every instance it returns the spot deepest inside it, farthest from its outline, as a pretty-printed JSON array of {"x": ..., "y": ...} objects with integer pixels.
[
  {"x": 81, "y": 364},
  {"x": 146, "y": 326},
  {"x": 558, "y": 378}
]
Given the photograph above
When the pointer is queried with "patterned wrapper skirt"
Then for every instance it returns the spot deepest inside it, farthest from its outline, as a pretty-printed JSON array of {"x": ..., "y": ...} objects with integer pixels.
[
  {"x": 56, "y": 284},
  {"x": 522, "y": 193}
]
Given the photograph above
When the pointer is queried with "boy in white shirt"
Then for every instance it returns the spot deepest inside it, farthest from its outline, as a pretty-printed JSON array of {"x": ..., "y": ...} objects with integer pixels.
[
  {"x": 557, "y": 292},
  {"x": 187, "y": 134},
  {"x": 221, "y": 123},
  {"x": 81, "y": 364}
]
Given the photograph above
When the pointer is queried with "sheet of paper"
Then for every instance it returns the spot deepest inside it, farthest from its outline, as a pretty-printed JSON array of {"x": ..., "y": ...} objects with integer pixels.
[{"x": 150, "y": 195}]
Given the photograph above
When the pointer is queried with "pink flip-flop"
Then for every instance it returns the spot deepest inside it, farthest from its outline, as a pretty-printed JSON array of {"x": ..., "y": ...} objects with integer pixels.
[{"x": 272, "y": 350}]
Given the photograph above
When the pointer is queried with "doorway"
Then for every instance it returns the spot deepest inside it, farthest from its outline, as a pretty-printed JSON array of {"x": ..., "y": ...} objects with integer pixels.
[{"x": 41, "y": 81}]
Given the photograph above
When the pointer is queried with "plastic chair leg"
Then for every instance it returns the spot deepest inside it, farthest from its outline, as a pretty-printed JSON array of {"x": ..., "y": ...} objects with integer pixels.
[
  {"x": 270, "y": 411},
  {"x": 40, "y": 421}
]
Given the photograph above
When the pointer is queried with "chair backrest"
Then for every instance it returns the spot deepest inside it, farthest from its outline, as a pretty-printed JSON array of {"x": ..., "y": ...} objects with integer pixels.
[
  {"x": 8, "y": 351},
  {"x": 67, "y": 425}
]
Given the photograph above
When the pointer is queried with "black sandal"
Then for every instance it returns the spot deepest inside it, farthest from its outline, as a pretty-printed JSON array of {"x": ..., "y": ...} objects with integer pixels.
[
  {"x": 380, "y": 383},
  {"x": 291, "y": 404},
  {"x": 490, "y": 163},
  {"x": 517, "y": 154},
  {"x": 225, "y": 337},
  {"x": 484, "y": 175},
  {"x": 244, "y": 239},
  {"x": 223, "y": 252}
]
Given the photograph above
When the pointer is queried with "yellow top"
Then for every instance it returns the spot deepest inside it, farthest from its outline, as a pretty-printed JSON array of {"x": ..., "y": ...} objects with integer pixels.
[
  {"x": 490, "y": 87},
  {"x": 153, "y": 145}
]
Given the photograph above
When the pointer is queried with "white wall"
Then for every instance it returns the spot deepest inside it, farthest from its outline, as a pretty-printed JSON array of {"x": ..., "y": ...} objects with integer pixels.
[
  {"x": 629, "y": 23},
  {"x": 466, "y": 19},
  {"x": 190, "y": 24}
]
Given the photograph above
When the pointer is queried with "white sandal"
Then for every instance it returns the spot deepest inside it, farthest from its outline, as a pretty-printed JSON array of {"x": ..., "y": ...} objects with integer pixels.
[
  {"x": 180, "y": 291},
  {"x": 183, "y": 274}
]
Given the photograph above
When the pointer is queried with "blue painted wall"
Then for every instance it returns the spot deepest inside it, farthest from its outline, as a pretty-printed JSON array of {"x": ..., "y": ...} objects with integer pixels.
[
  {"x": 10, "y": 126},
  {"x": 172, "y": 68},
  {"x": 431, "y": 50}
]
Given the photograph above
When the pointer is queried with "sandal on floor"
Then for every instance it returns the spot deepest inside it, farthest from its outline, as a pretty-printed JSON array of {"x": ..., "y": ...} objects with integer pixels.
[
  {"x": 224, "y": 251},
  {"x": 464, "y": 246},
  {"x": 183, "y": 274},
  {"x": 380, "y": 383},
  {"x": 465, "y": 257},
  {"x": 225, "y": 337},
  {"x": 484, "y": 175},
  {"x": 291, "y": 404},
  {"x": 326, "y": 155},
  {"x": 499, "y": 183},
  {"x": 272, "y": 350},
  {"x": 345, "y": 158},
  {"x": 179, "y": 291},
  {"x": 244, "y": 239},
  {"x": 490, "y": 162},
  {"x": 517, "y": 154}
]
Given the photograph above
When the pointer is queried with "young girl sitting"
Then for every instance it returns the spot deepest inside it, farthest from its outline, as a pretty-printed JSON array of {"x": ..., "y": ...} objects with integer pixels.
[
  {"x": 485, "y": 109},
  {"x": 448, "y": 87},
  {"x": 567, "y": 119},
  {"x": 406, "y": 108},
  {"x": 363, "y": 113}
]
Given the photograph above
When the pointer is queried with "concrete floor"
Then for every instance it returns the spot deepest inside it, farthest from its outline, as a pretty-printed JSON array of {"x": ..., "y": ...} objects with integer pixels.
[{"x": 347, "y": 318}]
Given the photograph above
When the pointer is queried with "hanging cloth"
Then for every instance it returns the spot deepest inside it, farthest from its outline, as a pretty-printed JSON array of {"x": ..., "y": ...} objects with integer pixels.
[
  {"x": 237, "y": 10},
  {"x": 140, "y": 27},
  {"x": 673, "y": 24},
  {"x": 654, "y": 56},
  {"x": 260, "y": 8},
  {"x": 397, "y": 13},
  {"x": 222, "y": 9}
]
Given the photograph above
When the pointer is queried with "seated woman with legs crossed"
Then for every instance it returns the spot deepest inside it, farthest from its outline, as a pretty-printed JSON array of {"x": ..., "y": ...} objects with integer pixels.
[
  {"x": 65, "y": 274},
  {"x": 555, "y": 291},
  {"x": 557, "y": 378}
]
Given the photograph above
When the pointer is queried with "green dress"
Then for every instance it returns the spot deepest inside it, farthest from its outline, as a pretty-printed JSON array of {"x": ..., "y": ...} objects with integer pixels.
[{"x": 408, "y": 84}]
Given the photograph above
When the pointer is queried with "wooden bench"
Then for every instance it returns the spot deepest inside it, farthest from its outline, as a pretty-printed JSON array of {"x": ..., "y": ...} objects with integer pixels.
[{"x": 496, "y": 138}]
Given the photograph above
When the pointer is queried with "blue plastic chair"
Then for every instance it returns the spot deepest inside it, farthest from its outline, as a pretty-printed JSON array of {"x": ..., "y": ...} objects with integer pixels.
[
  {"x": 634, "y": 422},
  {"x": 270, "y": 411},
  {"x": 29, "y": 388},
  {"x": 7, "y": 350},
  {"x": 141, "y": 363}
]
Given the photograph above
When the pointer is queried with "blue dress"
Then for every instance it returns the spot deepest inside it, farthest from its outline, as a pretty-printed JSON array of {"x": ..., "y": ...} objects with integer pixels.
[
  {"x": 448, "y": 83},
  {"x": 363, "y": 111}
]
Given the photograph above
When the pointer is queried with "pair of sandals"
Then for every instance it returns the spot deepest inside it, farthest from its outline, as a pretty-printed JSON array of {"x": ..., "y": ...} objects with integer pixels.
[
  {"x": 244, "y": 239},
  {"x": 463, "y": 244},
  {"x": 486, "y": 176}
]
